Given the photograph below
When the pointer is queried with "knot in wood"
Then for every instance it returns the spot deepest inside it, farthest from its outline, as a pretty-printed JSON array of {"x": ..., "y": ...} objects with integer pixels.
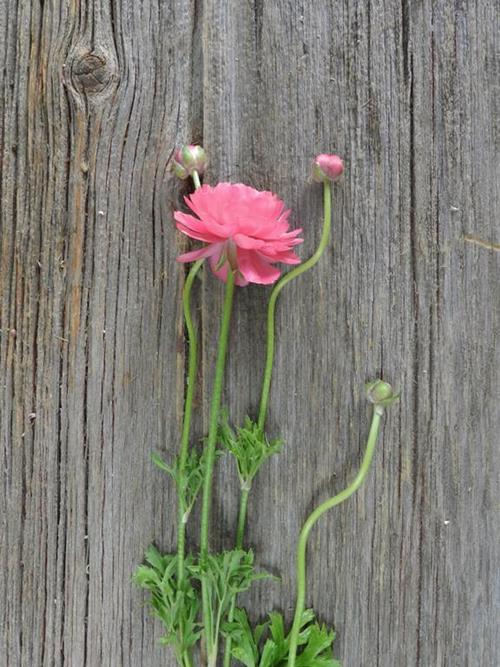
[{"x": 91, "y": 73}]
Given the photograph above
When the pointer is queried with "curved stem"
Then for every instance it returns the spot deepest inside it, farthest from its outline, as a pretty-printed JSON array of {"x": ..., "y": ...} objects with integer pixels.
[
  {"x": 240, "y": 532},
  {"x": 210, "y": 452},
  {"x": 313, "y": 518},
  {"x": 305, "y": 266},
  {"x": 188, "y": 409}
]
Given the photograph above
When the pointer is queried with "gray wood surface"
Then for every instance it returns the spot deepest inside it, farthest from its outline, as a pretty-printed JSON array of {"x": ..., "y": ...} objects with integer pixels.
[{"x": 92, "y": 358}]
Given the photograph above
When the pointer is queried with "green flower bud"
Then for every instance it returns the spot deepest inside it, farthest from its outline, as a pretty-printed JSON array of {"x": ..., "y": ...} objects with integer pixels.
[
  {"x": 179, "y": 171},
  {"x": 380, "y": 393},
  {"x": 187, "y": 159}
]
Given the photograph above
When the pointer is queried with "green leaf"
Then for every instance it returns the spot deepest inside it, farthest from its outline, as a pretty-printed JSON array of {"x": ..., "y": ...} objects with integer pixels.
[
  {"x": 269, "y": 655},
  {"x": 160, "y": 463},
  {"x": 315, "y": 642},
  {"x": 175, "y": 603},
  {"x": 317, "y": 650},
  {"x": 156, "y": 560},
  {"x": 224, "y": 575},
  {"x": 246, "y": 651},
  {"x": 189, "y": 480},
  {"x": 248, "y": 445}
]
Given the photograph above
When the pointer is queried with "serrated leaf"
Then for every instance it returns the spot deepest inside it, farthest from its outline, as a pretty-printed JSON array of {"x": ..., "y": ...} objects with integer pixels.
[
  {"x": 160, "y": 463},
  {"x": 248, "y": 445},
  {"x": 268, "y": 657},
  {"x": 145, "y": 576},
  {"x": 315, "y": 642},
  {"x": 277, "y": 628},
  {"x": 175, "y": 603},
  {"x": 155, "y": 558},
  {"x": 223, "y": 575}
]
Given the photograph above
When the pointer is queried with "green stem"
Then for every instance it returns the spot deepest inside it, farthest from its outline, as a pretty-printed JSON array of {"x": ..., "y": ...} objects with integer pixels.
[
  {"x": 210, "y": 454},
  {"x": 240, "y": 532},
  {"x": 305, "y": 266},
  {"x": 188, "y": 409},
  {"x": 313, "y": 518},
  {"x": 196, "y": 179},
  {"x": 186, "y": 425}
]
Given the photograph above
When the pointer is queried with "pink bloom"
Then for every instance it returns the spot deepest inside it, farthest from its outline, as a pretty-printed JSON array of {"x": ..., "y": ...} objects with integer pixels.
[
  {"x": 327, "y": 168},
  {"x": 245, "y": 229}
]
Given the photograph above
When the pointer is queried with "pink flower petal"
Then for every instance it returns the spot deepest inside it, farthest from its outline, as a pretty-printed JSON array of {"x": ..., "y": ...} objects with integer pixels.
[
  {"x": 247, "y": 242},
  {"x": 207, "y": 251},
  {"x": 256, "y": 269},
  {"x": 287, "y": 257},
  {"x": 194, "y": 228}
]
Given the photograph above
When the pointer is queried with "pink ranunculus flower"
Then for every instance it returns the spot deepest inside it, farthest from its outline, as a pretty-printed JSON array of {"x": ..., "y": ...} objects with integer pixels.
[{"x": 246, "y": 229}]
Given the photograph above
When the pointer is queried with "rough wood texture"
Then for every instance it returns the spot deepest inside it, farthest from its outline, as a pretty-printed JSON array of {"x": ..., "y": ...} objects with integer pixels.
[{"x": 94, "y": 97}]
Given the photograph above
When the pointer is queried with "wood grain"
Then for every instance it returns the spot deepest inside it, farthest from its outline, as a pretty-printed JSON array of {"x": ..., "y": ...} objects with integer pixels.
[{"x": 94, "y": 97}]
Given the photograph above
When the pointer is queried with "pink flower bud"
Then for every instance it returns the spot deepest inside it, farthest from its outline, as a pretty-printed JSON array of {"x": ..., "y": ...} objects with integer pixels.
[
  {"x": 327, "y": 168},
  {"x": 187, "y": 159}
]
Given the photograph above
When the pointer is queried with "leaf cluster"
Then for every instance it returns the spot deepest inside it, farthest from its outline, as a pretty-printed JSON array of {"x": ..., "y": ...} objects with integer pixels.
[
  {"x": 175, "y": 603},
  {"x": 249, "y": 446},
  {"x": 188, "y": 481},
  {"x": 268, "y": 645},
  {"x": 225, "y": 575}
]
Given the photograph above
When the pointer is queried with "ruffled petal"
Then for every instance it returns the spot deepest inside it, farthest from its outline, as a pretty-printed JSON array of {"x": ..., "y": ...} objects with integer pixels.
[
  {"x": 247, "y": 242},
  {"x": 207, "y": 251},
  {"x": 256, "y": 269},
  {"x": 196, "y": 229},
  {"x": 288, "y": 258},
  {"x": 285, "y": 256}
]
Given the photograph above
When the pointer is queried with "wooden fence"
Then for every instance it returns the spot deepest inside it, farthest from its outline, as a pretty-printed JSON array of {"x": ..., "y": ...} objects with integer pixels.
[{"x": 95, "y": 96}]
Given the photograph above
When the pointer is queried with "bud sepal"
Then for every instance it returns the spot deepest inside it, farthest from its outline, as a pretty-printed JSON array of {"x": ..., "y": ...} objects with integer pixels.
[
  {"x": 188, "y": 159},
  {"x": 381, "y": 393}
]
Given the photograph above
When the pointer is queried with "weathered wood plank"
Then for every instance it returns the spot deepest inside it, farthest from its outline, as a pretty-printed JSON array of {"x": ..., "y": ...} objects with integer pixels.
[
  {"x": 94, "y": 96},
  {"x": 396, "y": 89}
]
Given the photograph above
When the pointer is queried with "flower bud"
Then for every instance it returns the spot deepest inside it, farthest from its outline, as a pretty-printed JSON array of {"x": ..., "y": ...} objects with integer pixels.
[
  {"x": 187, "y": 159},
  {"x": 327, "y": 168},
  {"x": 380, "y": 393},
  {"x": 179, "y": 171}
]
